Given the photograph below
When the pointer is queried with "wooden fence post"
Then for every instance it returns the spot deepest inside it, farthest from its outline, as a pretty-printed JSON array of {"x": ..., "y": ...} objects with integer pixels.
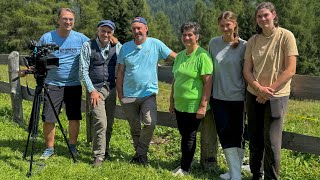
[
  {"x": 88, "y": 119},
  {"x": 15, "y": 87},
  {"x": 209, "y": 144}
]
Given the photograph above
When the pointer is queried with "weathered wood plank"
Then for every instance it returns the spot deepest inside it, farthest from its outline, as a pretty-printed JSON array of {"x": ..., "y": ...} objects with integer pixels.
[
  {"x": 209, "y": 142},
  {"x": 4, "y": 59},
  {"x": 305, "y": 87},
  {"x": 4, "y": 87},
  {"x": 15, "y": 88},
  {"x": 165, "y": 74},
  {"x": 88, "y": 118},
  {"x": 301, "y": 143}
]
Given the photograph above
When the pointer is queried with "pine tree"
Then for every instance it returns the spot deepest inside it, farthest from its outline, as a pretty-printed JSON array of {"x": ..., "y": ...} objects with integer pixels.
[
  {"x": 206, "y": 17},
  {"x": 24, "y": 21},
  {"x": 165, "y": 31},
  {"x": 299, "y": 17},
  {"x": 122, "y": 13},
  {"x": 88, "y": 17}
]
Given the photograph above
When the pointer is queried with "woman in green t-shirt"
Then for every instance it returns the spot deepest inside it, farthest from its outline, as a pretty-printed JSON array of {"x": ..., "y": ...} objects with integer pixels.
[{"x": 190, "y": 93}]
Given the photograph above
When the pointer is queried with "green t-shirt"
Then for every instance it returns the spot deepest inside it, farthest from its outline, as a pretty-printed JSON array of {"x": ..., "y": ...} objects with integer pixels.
[{"x": 188, "y": 85}]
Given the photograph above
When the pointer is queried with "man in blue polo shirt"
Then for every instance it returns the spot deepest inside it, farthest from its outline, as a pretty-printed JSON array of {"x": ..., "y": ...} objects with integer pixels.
[{"x": 137, "y": 85}]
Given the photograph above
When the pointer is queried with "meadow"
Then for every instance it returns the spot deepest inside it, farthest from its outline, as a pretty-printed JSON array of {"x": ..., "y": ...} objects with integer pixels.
[{"x": 303, "y": 117}]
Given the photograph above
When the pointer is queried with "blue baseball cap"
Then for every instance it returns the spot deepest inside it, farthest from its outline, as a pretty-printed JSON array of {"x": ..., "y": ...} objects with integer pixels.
[
  {"x": 140, "y": 20},
  {"x": 106, "y": 23}
]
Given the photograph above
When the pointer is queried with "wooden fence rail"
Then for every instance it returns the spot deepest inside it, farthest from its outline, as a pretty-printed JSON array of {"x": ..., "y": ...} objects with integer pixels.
[{"x": 303, "y": 87}]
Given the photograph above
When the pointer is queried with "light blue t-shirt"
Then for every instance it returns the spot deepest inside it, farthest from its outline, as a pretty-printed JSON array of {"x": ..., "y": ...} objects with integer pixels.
[
  {"x": 141, "y": 66},
  {"x": 67, "y": 74}
]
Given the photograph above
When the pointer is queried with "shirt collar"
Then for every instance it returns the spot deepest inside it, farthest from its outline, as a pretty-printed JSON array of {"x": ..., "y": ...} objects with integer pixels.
[{"x": 101, "y": 46}]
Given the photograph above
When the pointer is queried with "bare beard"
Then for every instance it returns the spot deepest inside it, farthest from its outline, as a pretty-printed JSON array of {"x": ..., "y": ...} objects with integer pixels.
[{"x": 139, "y": 38}]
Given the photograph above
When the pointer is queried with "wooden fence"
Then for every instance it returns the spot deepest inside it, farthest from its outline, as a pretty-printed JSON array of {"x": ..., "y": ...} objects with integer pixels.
[{"x": 303, "y": 87}]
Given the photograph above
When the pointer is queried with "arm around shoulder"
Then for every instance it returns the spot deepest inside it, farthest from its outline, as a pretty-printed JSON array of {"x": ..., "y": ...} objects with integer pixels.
[{"x": 172, "y": 55}]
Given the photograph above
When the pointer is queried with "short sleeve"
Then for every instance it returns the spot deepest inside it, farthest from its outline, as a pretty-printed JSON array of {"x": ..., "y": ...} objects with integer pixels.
[
  {"x": 164, "y": 50},
  {"x": 120, "y": 57},
  {"x": 41, "y": 41},
  {"x": 248, "y": 52},
  {"x": 206, "y": 64},
  {"x": 290, "y": 48}
]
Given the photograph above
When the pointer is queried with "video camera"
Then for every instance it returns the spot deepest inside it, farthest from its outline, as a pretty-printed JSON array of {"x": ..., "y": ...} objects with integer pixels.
[{"x": 41, "y": 59}]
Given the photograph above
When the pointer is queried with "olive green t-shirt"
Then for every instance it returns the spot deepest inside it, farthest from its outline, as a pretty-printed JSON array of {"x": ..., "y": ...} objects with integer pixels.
[
  {"x": 268, "y": 56},
  {"x": 188, "y": 84}
]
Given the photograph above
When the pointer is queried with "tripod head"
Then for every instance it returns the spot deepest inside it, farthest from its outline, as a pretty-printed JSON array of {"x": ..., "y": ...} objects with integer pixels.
[{"x": 41, "y": 60}]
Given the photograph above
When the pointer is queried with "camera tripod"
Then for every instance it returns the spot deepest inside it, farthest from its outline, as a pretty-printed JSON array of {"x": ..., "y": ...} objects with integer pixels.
[{"x": 34, "y": 121}]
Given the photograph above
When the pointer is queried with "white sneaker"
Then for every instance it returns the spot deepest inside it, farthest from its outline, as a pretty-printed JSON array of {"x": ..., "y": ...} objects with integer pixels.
[
  {"x": 176, "y": 169},
  {"x": 246, "y": 167},
  {"x": 225, "y": 176},
  {"x": 179, "y": 172}
]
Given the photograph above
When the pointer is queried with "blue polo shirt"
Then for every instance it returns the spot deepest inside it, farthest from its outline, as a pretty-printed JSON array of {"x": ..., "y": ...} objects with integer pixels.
[{"x": 141, "y": 66}]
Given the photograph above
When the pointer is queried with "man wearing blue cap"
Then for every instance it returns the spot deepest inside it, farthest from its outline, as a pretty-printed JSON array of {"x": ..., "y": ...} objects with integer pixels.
[
  {"x": 98, "y": 59},
  {"x": 137, "y": 85}
]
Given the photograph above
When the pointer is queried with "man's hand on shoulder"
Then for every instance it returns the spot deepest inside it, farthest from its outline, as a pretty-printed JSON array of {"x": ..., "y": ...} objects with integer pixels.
[{"x": 113, "y": 40}]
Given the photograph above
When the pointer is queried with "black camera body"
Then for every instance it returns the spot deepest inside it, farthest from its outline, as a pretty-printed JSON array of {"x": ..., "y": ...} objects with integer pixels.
[{"x": 41, "y": 58}]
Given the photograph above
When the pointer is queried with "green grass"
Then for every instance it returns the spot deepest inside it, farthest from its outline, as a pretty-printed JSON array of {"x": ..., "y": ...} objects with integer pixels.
[{"x": 303, "y": 117}]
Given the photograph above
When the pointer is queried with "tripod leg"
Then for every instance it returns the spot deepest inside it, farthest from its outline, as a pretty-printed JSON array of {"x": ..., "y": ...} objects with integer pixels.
[
  {"x": 31, "y": 121},
  {"x": 33, "y": 127},
  {"x": 60, "y": 125}
]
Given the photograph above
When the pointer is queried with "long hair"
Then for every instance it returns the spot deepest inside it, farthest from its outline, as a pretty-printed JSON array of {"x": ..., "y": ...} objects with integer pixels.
[
  {"x": 230, "y": 16},
  {"x": 272, "y": 9}
]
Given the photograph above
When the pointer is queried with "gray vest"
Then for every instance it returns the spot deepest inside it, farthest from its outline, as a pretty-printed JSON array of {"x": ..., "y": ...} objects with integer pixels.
[{"x": 102, "y": 71}]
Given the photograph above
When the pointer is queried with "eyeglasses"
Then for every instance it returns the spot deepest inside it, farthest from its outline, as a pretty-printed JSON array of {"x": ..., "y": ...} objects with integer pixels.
[{"x": 64, "y": 19}]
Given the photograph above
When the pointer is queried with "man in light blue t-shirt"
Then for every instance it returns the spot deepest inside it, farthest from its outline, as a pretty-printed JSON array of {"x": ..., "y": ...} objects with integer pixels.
[
  {"x": 137, "y": 84},
  {"x": 63, "y": 82}
]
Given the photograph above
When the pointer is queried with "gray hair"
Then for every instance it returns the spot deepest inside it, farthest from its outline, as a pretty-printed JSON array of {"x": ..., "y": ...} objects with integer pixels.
[{"x": 191, "y": 25}]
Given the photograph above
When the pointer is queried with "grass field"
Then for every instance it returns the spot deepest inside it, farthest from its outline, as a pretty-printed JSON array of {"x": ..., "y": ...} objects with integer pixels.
[{"x": 303, "y": 117}]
